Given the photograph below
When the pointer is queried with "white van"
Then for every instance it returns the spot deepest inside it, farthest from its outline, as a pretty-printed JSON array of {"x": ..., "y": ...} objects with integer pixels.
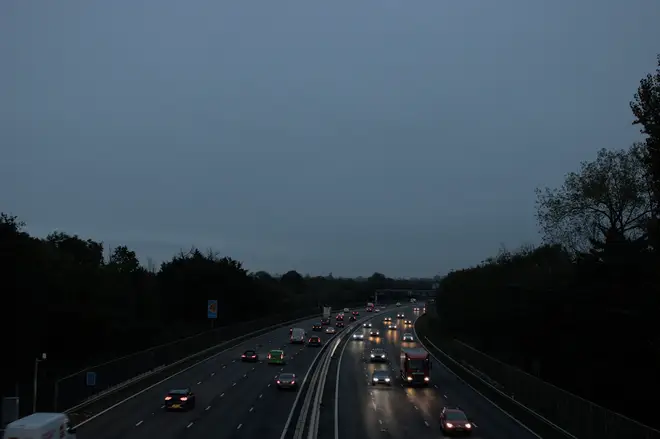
[
  {"x": 298, "y": 335},
  {"x": 41, "y": 426}
]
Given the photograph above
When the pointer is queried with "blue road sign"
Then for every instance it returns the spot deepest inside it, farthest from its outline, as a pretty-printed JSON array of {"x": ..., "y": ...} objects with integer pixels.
[
  {"x": 91, "y": 378},
  {"x": 213, "y": 309}
]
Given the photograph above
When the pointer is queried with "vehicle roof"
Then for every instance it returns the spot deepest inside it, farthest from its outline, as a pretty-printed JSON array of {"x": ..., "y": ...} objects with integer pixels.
[
  {"x": 382, "y": 372},
  {"x": 36, "y": 420},
  {"x": 407, "y": 333},
  {"x": 314, "y": 336},
  {"x": 415, "y": 352},
  {"x": 276, "y": 350},
  {"x": 250, "y": 350},
  {"x": 287, "y": 375}
]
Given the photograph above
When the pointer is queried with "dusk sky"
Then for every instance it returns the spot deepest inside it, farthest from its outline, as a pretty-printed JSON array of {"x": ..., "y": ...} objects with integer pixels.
[{"x": 404, "y": 137}]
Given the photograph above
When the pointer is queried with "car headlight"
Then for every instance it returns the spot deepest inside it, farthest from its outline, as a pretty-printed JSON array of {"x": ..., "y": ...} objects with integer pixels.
[
  {"x": 382, "y": 356},
  {"x": 375, "y": 379},
  {"x": 372, "y": 355},
  {"x": 427, "y": 379},
  {"x": 387, "y": 380},
  {"x": 468, "y": 425},
  {"x": 409, "y": 378},
  {"x": 449, "y": 425}
]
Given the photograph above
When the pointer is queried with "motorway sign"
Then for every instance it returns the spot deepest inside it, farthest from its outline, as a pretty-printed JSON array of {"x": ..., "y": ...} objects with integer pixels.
[
  {"x": 90, "y": 379},
  {"x": 212, "y": 311}
]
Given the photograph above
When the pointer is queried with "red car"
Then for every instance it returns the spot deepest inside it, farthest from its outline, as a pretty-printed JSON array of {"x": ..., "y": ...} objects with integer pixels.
[
  {"x": 454, "y": 420},
  {"x": 339, "y": 317},
  {"x": 356, "y": 313}
]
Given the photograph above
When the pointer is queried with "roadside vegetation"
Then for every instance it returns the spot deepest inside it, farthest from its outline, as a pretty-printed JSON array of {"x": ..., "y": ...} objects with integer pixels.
[{"x": 581, "y": 310}]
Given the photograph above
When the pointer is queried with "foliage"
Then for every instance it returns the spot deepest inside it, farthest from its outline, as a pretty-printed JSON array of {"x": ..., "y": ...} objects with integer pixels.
[
  {"x": 81, "y": 309},
  {"x": 582, "y": 308}
]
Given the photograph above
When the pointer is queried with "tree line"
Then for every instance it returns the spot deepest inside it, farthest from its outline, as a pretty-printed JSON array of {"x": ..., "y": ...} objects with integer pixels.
[
  {"x": 580, "y": 310},
  {"x": 64, "y": 298}
]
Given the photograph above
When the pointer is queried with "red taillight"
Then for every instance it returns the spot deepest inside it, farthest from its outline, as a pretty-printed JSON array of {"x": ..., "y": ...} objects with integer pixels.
[
  {"x": 282, "y": 357},
  {"x": 269, "y": 356},
  {"x": 254, "y": 356},
  {"x": 184, "y": 398},
  {"x": 243, "y": 355},
  {"x": 167, "y": 398},
  {"x": 278, "y": 381},
  {"x": 293, "y": 382}
]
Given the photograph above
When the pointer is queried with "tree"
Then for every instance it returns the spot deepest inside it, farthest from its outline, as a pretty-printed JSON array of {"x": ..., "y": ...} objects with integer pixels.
[
  {"x": 608, "y": 196},
  {"x": 646, "y": 109},
  {"x": 124, "y": 260}
]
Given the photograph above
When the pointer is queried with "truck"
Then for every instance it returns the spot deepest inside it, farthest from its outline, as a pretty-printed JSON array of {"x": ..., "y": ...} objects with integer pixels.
[
  {"x": 41, "y": 425},
  {"x": 297, "y": 335},
  {"x": 370, "y": 307},
  {"x": 415, "y": 366},
  {"x": 326, "y": 312}
]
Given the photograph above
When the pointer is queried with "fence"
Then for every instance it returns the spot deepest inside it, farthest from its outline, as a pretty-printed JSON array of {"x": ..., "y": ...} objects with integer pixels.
[
  {"x": 74, "y": 389},
  {"x": 578, "y": 416}
]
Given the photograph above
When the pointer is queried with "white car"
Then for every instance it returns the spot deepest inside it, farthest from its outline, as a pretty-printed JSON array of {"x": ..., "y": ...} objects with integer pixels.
[
  {"x": 367, "y": 325},
  {"x": 330, "y": 330},
  {"x": 408, "y": 337},
  {"x": 358, "y": 336},
  {"x": 398, "y": 304},
  {"x": 346, "y": 310},
  {"x": 377, "y": 310}
]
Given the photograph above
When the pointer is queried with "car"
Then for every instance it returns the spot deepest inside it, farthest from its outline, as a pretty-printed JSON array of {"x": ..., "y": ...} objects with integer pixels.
[
  {"x": 356, "y": 313},
  {"x": 316, "y": 327},
  {"x": 375, "y": 333},
  {"x": 368, "y": 309},
  {"x": 353, "y": 319},
  {"x": 400, "y": 316},
  {"x": 387, "y": 319},
  {"x": 381, "y": 376},
  {"x": 347, "y": 310},
  {"x": 330, "y": 330},
  {"x": 180, "y": 399},
  {"x": 392, "y": 327},
  {"x": 398, "y": 304},
  {"x": 454, "y": 420},
  {"x": 250, "y": 355},
  {"x": 339, "y": 317},
  {"x": 314, "y": 340},
  {"x": 407, "y": 337},
  {"x": 407, "y": 322},
  {"x": 325, "y": 322},
  {"x": 340, "y": 324},
  {"x": 276, "y": 356},
  {"x": 366, "y": 325},
  {"x": 286, "y": 380},
  {"x": 290, "y": 331},
  {"x": 358, "y": 336},
  {"x": 377, "y": 310},
  {"x": 377, "y": 355},
  {"x": 416, "y": 309}
]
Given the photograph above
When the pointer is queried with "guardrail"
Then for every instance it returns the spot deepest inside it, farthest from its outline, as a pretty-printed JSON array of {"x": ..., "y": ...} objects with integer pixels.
[
  {"x": 110, "y": 396},
  {"x": 544, "y": 408}
]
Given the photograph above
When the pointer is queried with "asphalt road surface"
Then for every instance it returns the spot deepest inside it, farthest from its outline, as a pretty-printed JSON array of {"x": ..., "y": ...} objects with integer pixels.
[
  {"x": 234, "y": 399},
  {"x": 377, "y": 412}
]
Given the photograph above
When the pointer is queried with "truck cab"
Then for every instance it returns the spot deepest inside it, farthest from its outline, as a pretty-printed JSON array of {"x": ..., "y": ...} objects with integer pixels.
[
  {"x": 41, "y": 425},
  {"x": 415, "y": 366}
]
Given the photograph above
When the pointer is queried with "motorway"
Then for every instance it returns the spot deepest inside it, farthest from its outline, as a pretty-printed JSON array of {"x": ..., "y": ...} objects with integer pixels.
[
  {"x": 234, "y": 399},
  {"x": 377, "y": 412}
]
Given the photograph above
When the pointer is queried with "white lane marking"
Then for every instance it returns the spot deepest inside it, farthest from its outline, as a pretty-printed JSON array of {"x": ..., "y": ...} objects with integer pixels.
[
  {"x": 474, "y": 425},
  {"x": 221, "y": 395},
  {"x": 162, "y": 406},
  {"x": 239, "y": 426},
  {"x": 233, "y": 384},
  {"x": 224, "y": 365},
  {"x": 139, "y": 423},
  {"x": 251, "y": 409},
  {"x": 233, "y": 361},
  {"x": 199, "y": 382},
  {"x": 380, "y": 421},
  {"x": 445, "y": 396},
  {"x": 208, "y": 408},
  {"x": 261, "y": 395},
  {"x": 268, "y": 385},
  {"x": 435, "y": 385},
  {"x": 245, "y": 375},
  {"x": 189, "y": 425},
  {"x": 426, "y": 423},
  {"x": 212, "y": 373},
  {"x": 416, "y": 407}
]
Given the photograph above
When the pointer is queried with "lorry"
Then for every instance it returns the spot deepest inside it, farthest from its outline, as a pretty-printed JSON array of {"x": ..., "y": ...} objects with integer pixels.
[
  {"x": 370, "y": 307},
  {"x": 326, "y": 312},
  {"x": 415, "y": 366},
  {"x": 40, "y": 426}
]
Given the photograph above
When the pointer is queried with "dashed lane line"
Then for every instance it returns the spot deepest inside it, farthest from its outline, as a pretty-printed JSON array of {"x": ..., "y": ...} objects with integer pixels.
[{"x": 139, "y": 423}]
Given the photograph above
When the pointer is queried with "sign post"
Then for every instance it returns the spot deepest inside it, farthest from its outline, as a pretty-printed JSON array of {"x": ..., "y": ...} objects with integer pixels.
[{"x": 212, "y": 311}]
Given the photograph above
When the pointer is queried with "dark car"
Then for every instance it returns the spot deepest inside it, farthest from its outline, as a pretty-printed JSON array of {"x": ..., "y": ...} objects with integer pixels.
[
  {"x": 353, "y": 318},
  {"x": 454, "y": 420},
  {"x": 286, "y": 380},
  {"x": 381, "y": 377},
  {"x": 325, "y": 321},
  {"x": 400, "y": 316},
  {"x": 374, "y": 333},
  {"x": 339, "y": 317},
  {"x": 250, "y": 355},
  {"x": 317, "y": 327},
  {"x": 180, "y": 399},
  {"x": 356, "y": 313},
  {"x": 340, "y": 324},
  {"x": 377, "y": 355},
  {"x": 314, "y": 340}
]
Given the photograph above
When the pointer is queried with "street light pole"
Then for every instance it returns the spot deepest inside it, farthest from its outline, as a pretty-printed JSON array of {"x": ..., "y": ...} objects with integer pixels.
[{"x": 37, "y": 360}]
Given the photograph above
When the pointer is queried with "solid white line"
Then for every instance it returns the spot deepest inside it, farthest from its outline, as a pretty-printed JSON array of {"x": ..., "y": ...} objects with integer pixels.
[
  {"x": 426, "y": 423},
  {"x": 190, "y": 425},
  {"x": 199, "y": 382},
  {"x": 239, "y": 426},
  {"x": 221, "y": 395},
  {"x": 139, "y": 423},
  {"x": 251, "y": 409},
  {"x": 208, "y": 408}
]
